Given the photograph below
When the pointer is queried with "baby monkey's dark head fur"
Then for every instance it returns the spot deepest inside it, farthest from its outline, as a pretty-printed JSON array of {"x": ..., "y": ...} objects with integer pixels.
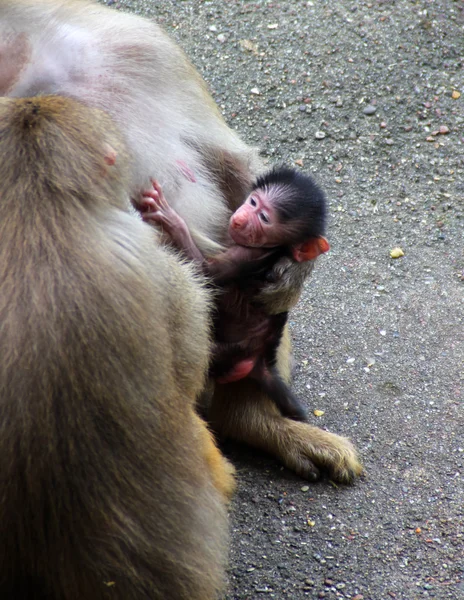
[{"x": 299, "y": 202}]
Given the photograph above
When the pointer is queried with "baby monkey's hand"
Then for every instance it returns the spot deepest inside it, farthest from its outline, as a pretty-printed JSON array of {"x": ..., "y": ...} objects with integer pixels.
[{"x": 154, "y": 208}]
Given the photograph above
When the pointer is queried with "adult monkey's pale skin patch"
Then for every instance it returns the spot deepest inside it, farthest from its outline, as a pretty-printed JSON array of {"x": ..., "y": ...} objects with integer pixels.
[{"x": 15, "y": 54}]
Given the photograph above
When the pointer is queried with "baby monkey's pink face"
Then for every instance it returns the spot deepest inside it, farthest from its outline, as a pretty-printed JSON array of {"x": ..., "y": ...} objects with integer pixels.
[{"x": 255, "y": 223}]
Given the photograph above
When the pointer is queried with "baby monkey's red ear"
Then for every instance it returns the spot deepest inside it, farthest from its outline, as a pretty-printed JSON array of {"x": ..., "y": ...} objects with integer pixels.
[{"x": 310, "y": 249}]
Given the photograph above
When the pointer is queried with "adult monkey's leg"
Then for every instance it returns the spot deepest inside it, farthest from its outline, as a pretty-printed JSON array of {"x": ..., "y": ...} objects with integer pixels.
[{"x": 240, "y": 411}]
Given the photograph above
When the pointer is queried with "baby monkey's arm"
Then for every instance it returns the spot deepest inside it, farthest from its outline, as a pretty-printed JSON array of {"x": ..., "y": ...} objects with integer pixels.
[
  {"x": 155, "y": 209},
  {"x": 222, "y": 268}
]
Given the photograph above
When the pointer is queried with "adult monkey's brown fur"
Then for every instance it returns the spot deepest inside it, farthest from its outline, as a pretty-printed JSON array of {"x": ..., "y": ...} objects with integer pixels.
[
  {"x": 110, "y": 484},
  {"x": 126, "y": 65}
]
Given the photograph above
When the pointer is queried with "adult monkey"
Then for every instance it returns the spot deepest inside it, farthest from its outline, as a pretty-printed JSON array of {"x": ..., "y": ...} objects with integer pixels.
[
  {"x": 127, "y": 66},
  {"x": 111, "y": 485}
]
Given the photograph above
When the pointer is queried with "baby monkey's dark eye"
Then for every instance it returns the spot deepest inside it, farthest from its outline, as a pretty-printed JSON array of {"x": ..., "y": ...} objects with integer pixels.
[
  {"x": 264, "y": 218},
  {"x": 252, "y": 201}
]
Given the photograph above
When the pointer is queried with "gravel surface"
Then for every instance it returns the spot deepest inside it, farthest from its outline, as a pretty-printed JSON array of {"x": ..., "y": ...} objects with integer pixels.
[{"x": 366, "y": 96}]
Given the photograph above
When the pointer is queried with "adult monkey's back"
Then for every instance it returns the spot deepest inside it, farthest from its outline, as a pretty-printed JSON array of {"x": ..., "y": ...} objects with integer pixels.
[
  {"x": 127, "y": 66},
  {"x": 111, "y": 485}
]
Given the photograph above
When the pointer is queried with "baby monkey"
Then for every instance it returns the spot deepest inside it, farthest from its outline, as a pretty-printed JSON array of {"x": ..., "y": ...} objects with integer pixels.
[{"x": 283, "y": 216}]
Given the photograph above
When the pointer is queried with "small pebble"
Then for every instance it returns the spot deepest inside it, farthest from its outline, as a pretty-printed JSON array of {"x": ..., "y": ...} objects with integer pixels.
[
  {"x": 370, "y": 109},
  {"x": 319, "y": 135}
]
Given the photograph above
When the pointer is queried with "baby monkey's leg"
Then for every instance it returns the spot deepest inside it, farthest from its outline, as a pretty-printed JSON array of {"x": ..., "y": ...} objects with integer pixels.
[{"x": 279, "y": 392}]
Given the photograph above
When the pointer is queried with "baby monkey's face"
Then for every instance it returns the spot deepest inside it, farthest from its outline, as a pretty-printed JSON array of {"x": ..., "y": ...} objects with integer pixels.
[{"x": 255, "y": 223}]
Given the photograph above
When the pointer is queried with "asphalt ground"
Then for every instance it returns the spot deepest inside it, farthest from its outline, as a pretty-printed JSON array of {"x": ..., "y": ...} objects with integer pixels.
[{"x": 369, "y": 98}]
